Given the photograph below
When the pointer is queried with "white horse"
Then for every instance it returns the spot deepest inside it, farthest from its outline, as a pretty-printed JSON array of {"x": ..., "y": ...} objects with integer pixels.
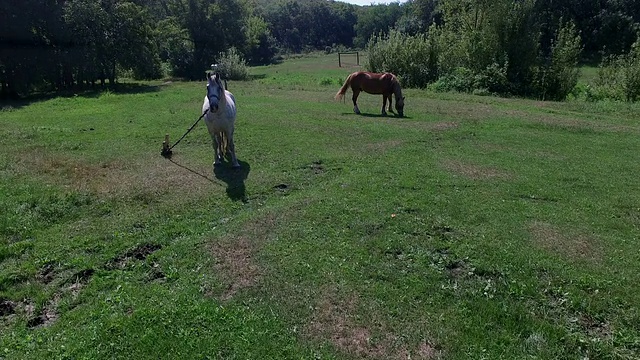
[{"x": 220, "y": 108}]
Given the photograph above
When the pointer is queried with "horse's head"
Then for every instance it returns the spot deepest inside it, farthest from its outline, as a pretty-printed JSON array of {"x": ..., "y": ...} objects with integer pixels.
[
  {"x": 215, "y": 91},
  {"x": 399, "y": 98},
  {"x": 400, "y": 106}
]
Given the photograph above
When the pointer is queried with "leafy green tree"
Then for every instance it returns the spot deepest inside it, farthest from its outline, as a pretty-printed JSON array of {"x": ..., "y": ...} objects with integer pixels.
[
  {"x": 175, "y": 46},
  {"x": 31, "y": 39},
  {"x": 376, "y": 20},
  {"x": 616, "y": 32},
  {"x": 426, "y": 11},
  {"x": 134, "y": 43},
  {"x": 261, "y": 45},
  {"x": 314, "y": 24},
  {"x": 213, "y": 27}
]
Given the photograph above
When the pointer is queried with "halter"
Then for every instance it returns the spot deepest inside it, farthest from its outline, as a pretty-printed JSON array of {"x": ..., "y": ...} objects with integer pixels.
[{"x": 217, "y": 83}]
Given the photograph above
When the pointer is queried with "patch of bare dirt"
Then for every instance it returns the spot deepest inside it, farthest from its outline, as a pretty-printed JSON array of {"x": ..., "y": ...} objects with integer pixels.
[
  {"x": 7, "y": 307},
  {"x": 569, "y": 244},
  {"x": 475, "y": 172},
  {"x": 47, "y": 315},
  {"x": 317, "y": 167},
  {"x": 337, "y": 319},
  {"x": 594, "y": 328},
  {"x": 47, "y": 273},
  {"x": 26, "y": 309},
  {"x": 79, "y": 280},
  {"x": 140, "y": 252}
]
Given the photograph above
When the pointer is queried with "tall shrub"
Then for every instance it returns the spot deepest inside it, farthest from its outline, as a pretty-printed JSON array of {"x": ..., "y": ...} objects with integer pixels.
[
  {"x": 411, "y": 57},
  {"x": 487, "y": 46},
  {"x": 619, "y": 76},
  {"x": 232, "y": 65},
  {"x": 558, "y": 75}
]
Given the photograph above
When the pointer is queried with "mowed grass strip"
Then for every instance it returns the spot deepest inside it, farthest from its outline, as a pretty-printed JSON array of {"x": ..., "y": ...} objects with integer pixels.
[{"x": 474, "y": 227}]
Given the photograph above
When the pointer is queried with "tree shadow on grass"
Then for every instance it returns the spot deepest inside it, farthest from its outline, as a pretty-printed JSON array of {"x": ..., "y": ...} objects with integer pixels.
[
  {"x": 234, "y": 178},
  {"x": 87, "y": 92}
]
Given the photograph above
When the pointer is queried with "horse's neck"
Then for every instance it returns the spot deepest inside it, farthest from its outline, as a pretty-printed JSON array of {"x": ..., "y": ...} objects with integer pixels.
[
  {"x": 397, "y": 91},
  {"x": 223, "y": 98}
]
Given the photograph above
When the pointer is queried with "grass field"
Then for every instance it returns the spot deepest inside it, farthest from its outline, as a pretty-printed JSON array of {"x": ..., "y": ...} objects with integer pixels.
[{"x": 473, "y": 228}]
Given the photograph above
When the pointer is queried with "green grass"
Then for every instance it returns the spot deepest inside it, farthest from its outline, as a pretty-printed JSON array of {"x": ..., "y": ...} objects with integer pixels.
[{"x": 475, "y": 227}]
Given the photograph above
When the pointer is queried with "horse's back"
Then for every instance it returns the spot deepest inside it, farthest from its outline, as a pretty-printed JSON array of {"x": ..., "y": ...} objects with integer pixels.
[{"x": 373, "y": 83}]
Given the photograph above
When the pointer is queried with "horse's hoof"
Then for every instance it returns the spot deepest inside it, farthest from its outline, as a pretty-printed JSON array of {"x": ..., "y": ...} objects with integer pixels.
[
  {"x": 217, "y": 164},
  {"x": 235, "y": 167}
]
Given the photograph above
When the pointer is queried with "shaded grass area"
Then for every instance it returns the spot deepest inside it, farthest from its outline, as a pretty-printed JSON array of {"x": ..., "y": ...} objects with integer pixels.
[{"x": 474, "y": 227}]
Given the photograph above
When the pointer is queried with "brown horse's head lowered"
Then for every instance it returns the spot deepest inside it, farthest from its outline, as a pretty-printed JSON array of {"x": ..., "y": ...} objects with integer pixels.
[{"x": 373, "y": 83}]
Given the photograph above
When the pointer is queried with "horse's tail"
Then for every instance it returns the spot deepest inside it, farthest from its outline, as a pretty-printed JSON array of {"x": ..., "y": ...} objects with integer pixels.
[{"x": 344, "y": 88}]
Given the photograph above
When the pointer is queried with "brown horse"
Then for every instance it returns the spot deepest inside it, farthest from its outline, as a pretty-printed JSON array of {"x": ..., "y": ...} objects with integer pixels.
[{"x": 374, "y": 83}]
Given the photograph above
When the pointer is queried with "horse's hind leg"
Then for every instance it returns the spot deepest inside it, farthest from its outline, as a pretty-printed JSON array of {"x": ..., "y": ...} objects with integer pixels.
[{"x": 355, "y": 98}]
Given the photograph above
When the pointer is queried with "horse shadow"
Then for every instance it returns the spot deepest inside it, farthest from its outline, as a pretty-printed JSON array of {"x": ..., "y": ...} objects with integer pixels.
[
  {"x": 193, "y": 171},
  {"x": 372, "y": 115},
  {"x": 234, "y": 178}
]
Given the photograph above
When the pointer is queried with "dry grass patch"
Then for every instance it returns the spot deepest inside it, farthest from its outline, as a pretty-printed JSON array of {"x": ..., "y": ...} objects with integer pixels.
[
  {"x": 427, "y": 126},
  {"x": 149, "y": 175},
  {"x": 552, "y": 239},
  {"x": 573, "y": 121},
  {"x": 338, "y": 320},
  {"x": 443, "y": 125},
  {"x": 383, "y": 145},
  {"x": 235, "y": 261},
  {"x": 475, "y": 172},
  {"x": 456, "y": 111},
  {"x": 236, "y": 255}
]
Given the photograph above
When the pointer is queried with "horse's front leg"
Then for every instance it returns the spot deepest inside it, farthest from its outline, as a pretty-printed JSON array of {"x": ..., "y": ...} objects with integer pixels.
[
  {"x": 218, "y": 149},
  {"x": 355, "y": 98},
  {"x": 384, "y": 104},
  {"x": 390, "y": 101},
  {"x": 231, "y": 148}
]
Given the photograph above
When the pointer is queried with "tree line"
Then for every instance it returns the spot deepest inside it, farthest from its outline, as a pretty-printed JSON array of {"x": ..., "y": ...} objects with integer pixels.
[{"x": 70, "y": 44}]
